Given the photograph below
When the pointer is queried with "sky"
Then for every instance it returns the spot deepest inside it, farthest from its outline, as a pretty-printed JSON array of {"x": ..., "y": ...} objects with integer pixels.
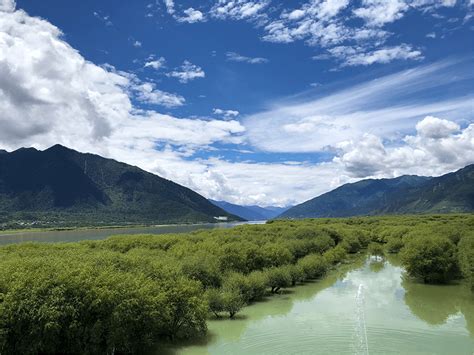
[{"x": 249, "y": 101}]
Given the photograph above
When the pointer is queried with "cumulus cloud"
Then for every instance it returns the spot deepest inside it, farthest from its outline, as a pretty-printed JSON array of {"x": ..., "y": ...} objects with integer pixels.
[
  {"x": 191, "y": 16},
  {"x": 50, "y": 94},
  {"x": 187, "y": 72},
  {"x": 148, "y": 93},
  {"x": 380, "y": 12},
  {"x": 227, "y": 114},
  {"x": 239, "y": 9},
  {"x": 7, "y": 5},
  {"x": 155, "y": 63},
  {"x": 433, "y": 127},
  {"x": 439, "y": 146},
  {"x": 236, "y": 57}
]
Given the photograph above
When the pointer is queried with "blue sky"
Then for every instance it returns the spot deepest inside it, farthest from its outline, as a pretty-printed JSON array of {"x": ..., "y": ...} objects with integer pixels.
[{"x": 255, "y": 102}]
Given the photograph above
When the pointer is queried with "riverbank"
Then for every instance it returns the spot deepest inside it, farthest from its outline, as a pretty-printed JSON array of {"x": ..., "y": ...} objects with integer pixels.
[
  {"x": 359, "y": 308},
  {"x": 132, "y": 293}
]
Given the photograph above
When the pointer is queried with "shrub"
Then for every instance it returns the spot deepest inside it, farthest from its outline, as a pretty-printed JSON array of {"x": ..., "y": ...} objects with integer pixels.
[
  {"x": 394, "y": 245},
  {"x": 313, "y": 266},
  {"x": 430, "y": 258},
  {"x": 466, "y": 258},
  {"x": 278, "y": 278},
  {"x": 232, "y": 302}
]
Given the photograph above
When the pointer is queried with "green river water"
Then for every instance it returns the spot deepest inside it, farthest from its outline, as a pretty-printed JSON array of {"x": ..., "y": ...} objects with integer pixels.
[{"x": 364, "y": 308}]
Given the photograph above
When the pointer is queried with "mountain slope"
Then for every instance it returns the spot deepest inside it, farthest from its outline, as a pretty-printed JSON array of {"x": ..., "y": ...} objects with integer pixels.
[
  {"x": 250, "y": 213},
  {"x": 67, "y": 185},
  {"x": 452, "y": 192}
]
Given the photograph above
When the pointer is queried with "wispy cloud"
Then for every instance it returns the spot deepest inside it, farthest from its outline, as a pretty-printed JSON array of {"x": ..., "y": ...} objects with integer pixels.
[
  {"x": 236, "y": 57},
  {"x": 352, "y": 56},
  {"x": 239, "y": 9},
  {"x": 104, "y": 18},
  {"x": 383, "y": 106},
  {"x": 187, "y": 72}
]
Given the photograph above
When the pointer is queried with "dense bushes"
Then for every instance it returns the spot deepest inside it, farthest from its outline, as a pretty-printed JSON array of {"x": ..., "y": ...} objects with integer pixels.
[
  {"x": 429, "y": 258},
  {"x": 126, "y": 294}
]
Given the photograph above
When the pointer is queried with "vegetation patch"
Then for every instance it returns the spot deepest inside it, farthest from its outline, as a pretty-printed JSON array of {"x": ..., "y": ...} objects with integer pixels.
[{"x": 127, "y": 294}]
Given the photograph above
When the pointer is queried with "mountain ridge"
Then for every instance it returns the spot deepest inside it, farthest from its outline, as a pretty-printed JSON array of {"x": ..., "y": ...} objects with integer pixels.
[
  {"x": 251, "y": 212},
  {"x": 406, "y": 194},
  {"x": 85, "y": 186}
]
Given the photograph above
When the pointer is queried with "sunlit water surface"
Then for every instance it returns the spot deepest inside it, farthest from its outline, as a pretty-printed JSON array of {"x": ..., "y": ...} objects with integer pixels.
[{"x": 367, "y": 308}]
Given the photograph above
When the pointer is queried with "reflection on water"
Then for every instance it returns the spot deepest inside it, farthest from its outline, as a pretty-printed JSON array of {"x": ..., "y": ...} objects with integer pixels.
[
  {"x": 97, "y": 234},
  {"x": 362, "y": 308}
]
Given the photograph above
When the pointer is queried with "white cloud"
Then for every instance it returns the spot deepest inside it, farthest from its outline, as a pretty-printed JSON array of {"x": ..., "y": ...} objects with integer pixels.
[
  {"x": 380, "y": 12},
  {"x": 236, "y": 57},
  {"x": 192, "y": 16},
  {"x": 155, "y": 63},
  {"x": 239, "y": 9},
  {"x": 352, "y": 56},
  {"x": 383, "y": 107},
  {"x": 7, "y": 5},
  {"x": 431, "y": 35},
  {"x": 438, "y": 147},
  {"x": 50, "y": 94},
  {"x": 227, "y": 114},
  {"x": 137, "y": 44},
  {"x": 433, "y": 127},
  {"x": 170, "y": 6},
  {"x": 187, "y": 72},
  {"x": 147, "y": 93},
  {"x": 316, "y": 22}
]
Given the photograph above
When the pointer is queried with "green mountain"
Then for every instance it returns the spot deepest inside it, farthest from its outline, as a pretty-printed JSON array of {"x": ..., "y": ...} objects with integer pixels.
[
  {"x": 60, "y": 186},
  {"x": 453, "y": 192}
]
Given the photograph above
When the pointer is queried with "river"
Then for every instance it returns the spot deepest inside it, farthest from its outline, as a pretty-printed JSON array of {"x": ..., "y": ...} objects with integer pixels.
[
  {"x": 76, "y": 235},
  {"x": 364, "y": 308}
]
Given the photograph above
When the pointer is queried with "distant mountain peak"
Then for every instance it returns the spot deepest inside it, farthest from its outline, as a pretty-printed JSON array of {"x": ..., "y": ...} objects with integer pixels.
[
  {"x": 62, "y": 183},
  {"x": 453, "y": 192}
]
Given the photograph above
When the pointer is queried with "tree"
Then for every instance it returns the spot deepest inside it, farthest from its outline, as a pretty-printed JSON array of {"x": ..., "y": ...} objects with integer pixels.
[
  {"x": 278, "y": 278},
  {"x": 232, "y": 302},
  {"x": 430, "y": 258},
  {"x": 215, "y": 301}
]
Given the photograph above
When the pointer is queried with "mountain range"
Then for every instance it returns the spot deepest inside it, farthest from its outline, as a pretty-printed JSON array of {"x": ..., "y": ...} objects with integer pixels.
[
  {"x": 251, "y": 213},
  {"x": 62, "y": 186},
  {"x": 453, "y": 192}
]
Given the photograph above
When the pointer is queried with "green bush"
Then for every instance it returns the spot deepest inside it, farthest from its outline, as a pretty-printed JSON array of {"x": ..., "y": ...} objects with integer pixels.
[
  {"x": 431, "y": 259},
  {"x": 394, "y": 245},
  {"x": 278, "y": 278},
  {"x": 313, "y": 266},
  {"x": 466, "y": 258}
]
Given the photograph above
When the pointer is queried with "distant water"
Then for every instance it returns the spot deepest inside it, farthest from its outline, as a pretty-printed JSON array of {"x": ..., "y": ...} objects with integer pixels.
[
  {"x": 97, "y": 234},
  {"x": 366, "y": 308}
]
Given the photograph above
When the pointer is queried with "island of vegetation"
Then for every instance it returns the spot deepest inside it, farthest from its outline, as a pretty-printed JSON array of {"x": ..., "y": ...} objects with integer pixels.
[{"x": 130, "y": 293}]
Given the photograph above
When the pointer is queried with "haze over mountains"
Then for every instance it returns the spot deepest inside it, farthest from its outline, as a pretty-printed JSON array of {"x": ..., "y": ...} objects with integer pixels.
[
  {"x": 251, "y": 213},
  {"x": 63, "y": 186},
  {"x": 453, "y": 192}
]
